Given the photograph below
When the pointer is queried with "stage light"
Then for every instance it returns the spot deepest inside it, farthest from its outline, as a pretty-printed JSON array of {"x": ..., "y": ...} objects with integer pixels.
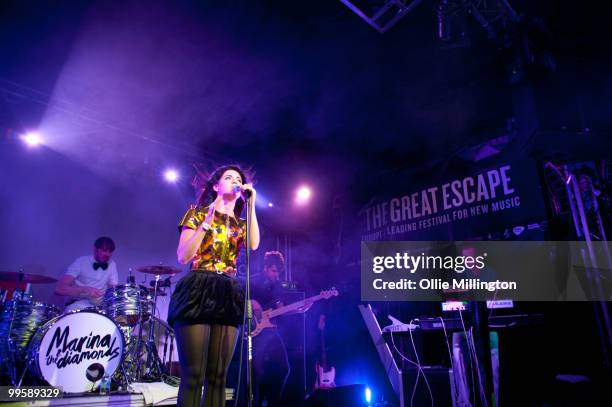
[
  {"x": 32, "y": 139},
  {"x": 171, "y": 175},
  {"x": 302, "y": 195},
  {"x": 368, "y": 395},
  {"x": 270, "y": 205}
]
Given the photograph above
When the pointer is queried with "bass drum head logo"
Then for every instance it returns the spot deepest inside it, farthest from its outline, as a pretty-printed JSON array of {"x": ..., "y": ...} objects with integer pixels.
[{"x": 78, "y": 349}]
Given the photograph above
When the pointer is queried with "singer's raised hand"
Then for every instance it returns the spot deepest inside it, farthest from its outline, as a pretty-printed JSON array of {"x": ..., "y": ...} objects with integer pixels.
[{"x": 249, "y": 187}]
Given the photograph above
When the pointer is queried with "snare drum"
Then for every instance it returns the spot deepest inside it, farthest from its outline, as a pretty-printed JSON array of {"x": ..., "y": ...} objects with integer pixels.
[
  {"x": 75, "y": 350},
  {"x": 27, "y": 317},
  {"x": 127, "y": 304}
]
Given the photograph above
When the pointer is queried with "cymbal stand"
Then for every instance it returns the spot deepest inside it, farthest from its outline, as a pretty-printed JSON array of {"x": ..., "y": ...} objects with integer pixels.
[
  {"x": 153, "y": 370},
  {"x": 18, "y": 295},
  {"x": 11, "y": 366}
]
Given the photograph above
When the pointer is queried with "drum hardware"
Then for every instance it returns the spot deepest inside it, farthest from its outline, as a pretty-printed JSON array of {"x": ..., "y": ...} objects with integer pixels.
[
  {"x": 159, "y": 270},
  {"x": 167, "y": 282},
  {"x": 153, "y": 370},
  {"x": 139, "y": 350},
  {"x": 27, "y": 274},
  {"x": 9, "y": 358},
  {"x": 3, "y": 295},
  {"x": 10, "y": 344},
  {"x": 126, "y": 304},
  {"x": 130, "y": 278},
  {"x": 18, "y": 295},
  {"x": 131, "y": 363},
  {"x": 151, "y": 291},
  {"x": 132, "y": 307},
  {"x": 27, "y": 326},
  {"x": 129, "y": 306},
  {"x": 66, "y": 349},
  {"x": 20, "y": 319}
]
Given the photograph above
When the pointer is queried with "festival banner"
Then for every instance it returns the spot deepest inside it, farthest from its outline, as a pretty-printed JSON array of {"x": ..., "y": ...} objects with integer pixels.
[{"x": 495, "y": 203}]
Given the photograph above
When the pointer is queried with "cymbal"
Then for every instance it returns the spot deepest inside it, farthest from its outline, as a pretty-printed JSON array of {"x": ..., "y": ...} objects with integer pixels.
[
  {"x": 159, "y": 270},
  {"x": 26, "y": 277}
]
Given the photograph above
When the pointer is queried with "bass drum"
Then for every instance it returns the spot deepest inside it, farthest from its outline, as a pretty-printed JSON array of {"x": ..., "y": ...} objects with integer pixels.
[{"x": 75, "y": 351}]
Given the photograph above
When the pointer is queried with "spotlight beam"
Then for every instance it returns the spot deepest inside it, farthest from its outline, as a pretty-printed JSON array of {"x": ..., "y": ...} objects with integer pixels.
[
  {"x": 32, "y": 139},
  {"x": 171, "y": 175}
]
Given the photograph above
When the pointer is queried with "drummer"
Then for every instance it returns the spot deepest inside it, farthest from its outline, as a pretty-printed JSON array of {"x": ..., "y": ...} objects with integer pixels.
[{"x": 88, "y": 277}]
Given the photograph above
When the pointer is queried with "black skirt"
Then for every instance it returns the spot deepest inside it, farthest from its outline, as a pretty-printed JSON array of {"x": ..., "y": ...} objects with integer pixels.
[{"x": 204, "y": 297}]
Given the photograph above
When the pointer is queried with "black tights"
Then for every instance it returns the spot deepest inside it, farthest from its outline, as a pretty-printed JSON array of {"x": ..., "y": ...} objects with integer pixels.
[{"x": 205, "y": 352}]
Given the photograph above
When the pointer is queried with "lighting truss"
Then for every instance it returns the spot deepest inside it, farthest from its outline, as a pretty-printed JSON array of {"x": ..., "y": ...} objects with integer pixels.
[
  {"x": 493, "y": 15},
  {"x": 381, "y": 14}
]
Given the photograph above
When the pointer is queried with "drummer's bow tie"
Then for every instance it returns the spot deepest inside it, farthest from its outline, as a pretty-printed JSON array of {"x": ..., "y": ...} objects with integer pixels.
[{"x": 97, "y": 265}]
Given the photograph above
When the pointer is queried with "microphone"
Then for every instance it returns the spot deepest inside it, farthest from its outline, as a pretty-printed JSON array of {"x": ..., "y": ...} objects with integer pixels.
[{"x": 238, "y": 189}]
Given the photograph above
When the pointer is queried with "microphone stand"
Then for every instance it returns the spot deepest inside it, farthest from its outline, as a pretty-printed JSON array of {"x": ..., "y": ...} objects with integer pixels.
[{"x": 249, "y": 339}]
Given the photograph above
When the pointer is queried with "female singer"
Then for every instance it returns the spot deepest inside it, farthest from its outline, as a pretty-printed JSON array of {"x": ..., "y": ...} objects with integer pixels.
[{"x": 207, "y": 305}]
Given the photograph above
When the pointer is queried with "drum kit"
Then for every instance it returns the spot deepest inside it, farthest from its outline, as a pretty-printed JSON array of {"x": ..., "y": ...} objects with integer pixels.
[{"x": 118, "y": 341}]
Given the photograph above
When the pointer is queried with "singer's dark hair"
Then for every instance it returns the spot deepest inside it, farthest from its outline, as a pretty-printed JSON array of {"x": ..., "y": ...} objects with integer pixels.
[
  {"x": 209, "y": 195},
  {"x": 105, "y": 242}
]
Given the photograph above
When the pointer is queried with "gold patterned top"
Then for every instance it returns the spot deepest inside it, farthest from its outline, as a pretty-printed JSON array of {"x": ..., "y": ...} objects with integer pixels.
[{"x": 221, "y": 244}]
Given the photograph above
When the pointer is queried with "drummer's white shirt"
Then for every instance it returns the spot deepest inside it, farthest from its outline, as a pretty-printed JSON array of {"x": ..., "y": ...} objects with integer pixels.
[{"x": 85, "y": 276}]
